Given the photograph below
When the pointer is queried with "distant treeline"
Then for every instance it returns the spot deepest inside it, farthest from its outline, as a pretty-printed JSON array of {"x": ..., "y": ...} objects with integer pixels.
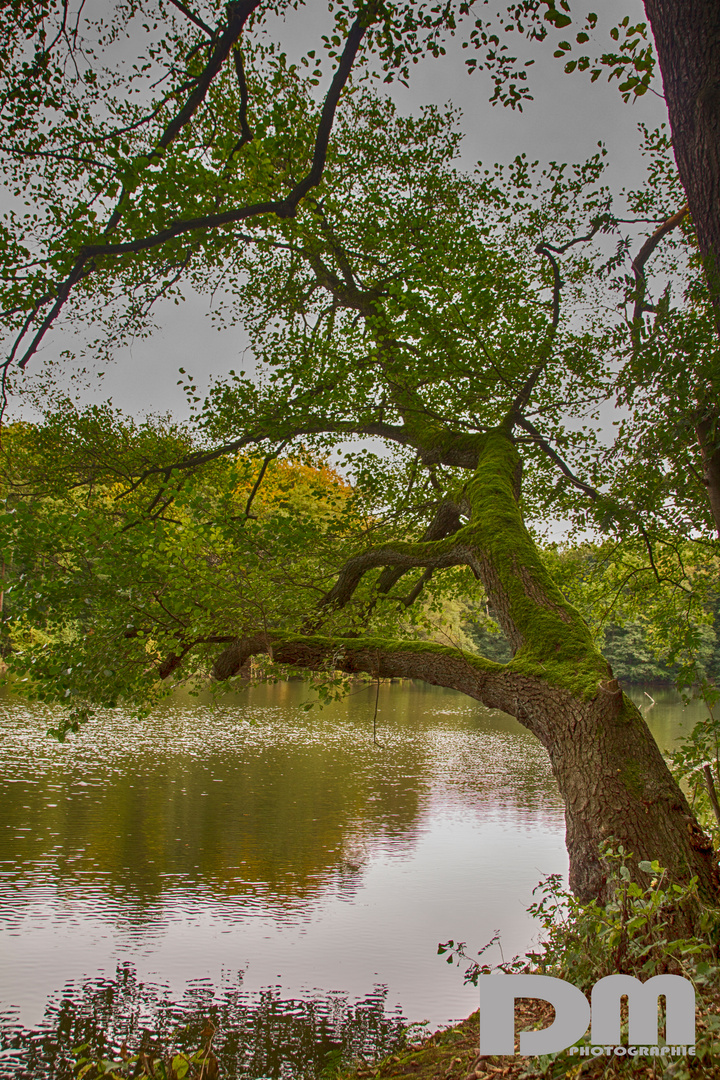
[
  {"x": 626, "y": 648},
  {"x": 636, "y": 648}
]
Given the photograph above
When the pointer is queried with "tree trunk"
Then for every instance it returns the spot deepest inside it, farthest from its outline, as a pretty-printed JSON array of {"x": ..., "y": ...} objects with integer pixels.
[
  {"x": 687, "y": 38},
  {"x": 708, "y": 434},
  {"x": 611, "y": 774},
  {"x": 615, "y": 783}
]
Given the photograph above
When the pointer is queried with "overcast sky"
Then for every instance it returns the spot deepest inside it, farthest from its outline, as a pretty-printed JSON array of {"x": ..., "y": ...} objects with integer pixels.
[{"x": 565, "y": 122}]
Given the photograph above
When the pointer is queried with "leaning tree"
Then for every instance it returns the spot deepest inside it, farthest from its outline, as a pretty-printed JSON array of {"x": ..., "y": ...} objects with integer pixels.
[{"x": 456, "y": 321}]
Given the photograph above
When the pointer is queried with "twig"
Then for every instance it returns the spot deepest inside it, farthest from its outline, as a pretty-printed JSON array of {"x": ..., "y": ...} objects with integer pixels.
[{"x": 261, "y": 475}]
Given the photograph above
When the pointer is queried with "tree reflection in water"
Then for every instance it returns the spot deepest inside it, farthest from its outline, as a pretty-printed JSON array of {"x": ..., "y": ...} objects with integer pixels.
[{"x": 263, "y": 1035}]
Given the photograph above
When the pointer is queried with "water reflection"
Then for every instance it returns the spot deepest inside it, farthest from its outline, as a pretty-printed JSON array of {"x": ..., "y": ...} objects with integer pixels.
[
  {"x": 665, "y": 714},
  {"x": 264, "y": 1036},
  {"x": 254, "y": 837},
  {"x": 263, "y": 801}
]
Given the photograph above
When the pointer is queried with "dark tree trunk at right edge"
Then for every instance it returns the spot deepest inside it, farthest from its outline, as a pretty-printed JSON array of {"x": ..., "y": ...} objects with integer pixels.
[
  {"x": 615, "y": 783},
  {"x": 687, "y": 38}
]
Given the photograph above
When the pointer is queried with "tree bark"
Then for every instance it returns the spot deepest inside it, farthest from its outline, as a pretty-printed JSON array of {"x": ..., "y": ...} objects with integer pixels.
[
  {"x": 687, "y": 38},
  {"x": 611, "y": 774},
  {"x": 708, "y": 434}
]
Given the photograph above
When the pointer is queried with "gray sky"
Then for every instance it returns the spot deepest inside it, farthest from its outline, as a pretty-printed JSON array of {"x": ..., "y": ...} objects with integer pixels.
[{"x": 565, "y": 122}]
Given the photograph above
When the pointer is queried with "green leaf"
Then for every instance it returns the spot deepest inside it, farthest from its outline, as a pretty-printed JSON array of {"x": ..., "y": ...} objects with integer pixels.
[{"x": 557, "y": 18}]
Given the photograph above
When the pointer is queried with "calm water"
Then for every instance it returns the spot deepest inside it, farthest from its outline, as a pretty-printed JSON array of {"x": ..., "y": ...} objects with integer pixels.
[{"x": 270, "y": 869}]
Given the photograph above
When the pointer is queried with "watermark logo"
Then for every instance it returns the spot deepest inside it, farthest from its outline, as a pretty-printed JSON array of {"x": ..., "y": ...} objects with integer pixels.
[{"x": 573, "y": 1014}]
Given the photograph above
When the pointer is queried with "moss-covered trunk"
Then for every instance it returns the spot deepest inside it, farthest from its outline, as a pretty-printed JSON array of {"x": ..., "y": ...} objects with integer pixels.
[
  {"x": 612, "y": 776},
  {"x": 610, "y": 772}
]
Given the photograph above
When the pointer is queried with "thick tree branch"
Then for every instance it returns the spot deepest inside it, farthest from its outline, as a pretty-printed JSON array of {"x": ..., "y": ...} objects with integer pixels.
[
  {"x": 445, "y": 523},
  {"x": 402, "y": 557},
  {"x": 498, "y": 686},
  {"x": 238, "y": 14},
  {"x": 440, "y": 665},
  {"x": 686, "y": 36},
  {"x": 707, "y": 428}
]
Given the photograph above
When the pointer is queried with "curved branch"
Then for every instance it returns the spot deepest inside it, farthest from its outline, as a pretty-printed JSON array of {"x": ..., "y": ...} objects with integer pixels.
[
  {"x": 85, "y": 262},
  {"x": 638, "y": 263},
  {"x": 542, "y": 442},
  {"x": 498, "y": 686},
  {"x": 246, "y": 134},
  {"x": 431, "y": 554},
  {"x": 445, "y": 523},
  {"x": 524, "y": 396},
  {"x": 549, "y": 251},
  {"x": 327, "y": 116},
  {"x": 462, "y": 451},
  {"x": 595, "y": 229}
]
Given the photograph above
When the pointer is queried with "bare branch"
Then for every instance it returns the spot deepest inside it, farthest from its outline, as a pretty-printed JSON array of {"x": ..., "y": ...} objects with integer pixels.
[
  {"x": 327, "y": 117},
  {"x": 523, "y": 397},
  {"x": 246, "y": 134},
  {"x": 412, "y": 596},
  {"x": 194, "y": 18},
  {"x": 542, "y": 442},
  {"x": 238, "y": 14},
  {"x": 638, "y": 263},
  {"x": 562, "y": 248},
  {"x": 85, "y": 262},
  {"x": 261, "y": 475}
]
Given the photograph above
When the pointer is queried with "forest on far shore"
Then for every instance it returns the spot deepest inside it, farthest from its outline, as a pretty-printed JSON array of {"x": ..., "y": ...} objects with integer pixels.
[{"x": 644, "y": 644}]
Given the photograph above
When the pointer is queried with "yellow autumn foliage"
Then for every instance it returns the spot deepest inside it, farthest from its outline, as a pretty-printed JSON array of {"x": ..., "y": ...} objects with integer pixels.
[{"x": 299, "y": 484}]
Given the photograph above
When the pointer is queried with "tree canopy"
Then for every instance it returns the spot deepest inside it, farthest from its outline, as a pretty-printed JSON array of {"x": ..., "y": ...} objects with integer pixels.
[{"x": 472, "y": 326}]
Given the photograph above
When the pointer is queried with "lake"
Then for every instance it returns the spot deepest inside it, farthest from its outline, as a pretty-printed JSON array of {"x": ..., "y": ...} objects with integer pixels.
[{"x": 273, "y": 870}]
